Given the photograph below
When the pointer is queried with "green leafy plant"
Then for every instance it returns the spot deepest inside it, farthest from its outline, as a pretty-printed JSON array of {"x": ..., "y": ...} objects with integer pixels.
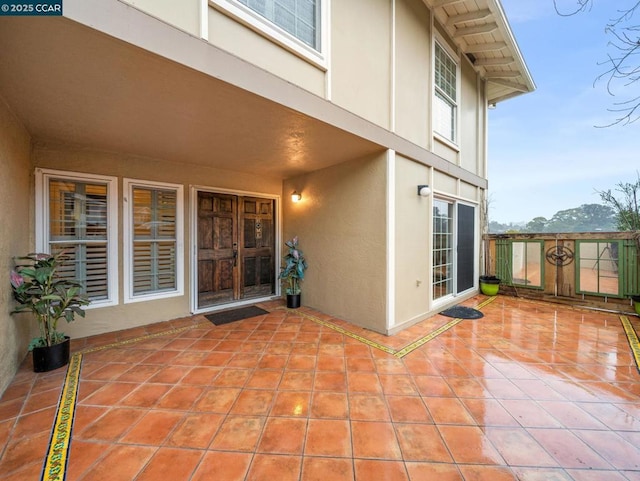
[
  {"x": 294, "y": 266},
  {"x": 39, "y": 288}
]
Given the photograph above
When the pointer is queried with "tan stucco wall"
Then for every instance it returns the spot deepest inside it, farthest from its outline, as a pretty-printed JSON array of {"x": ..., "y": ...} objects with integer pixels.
[
  {"x": 361, "y": 58},
  {"x": 470, "y": 130},
  {"x": 412, "y": 241},
  {"x": 240, "y": 40},
  {"x": 444, "y": 183},
  {"x": 81, "y": 160},
  {"x": 342, "y": 230},
  {"x": 184, "y": 14},
  {"x": 368, "y": 65},
  {"x": 15, "y": 239},
  {"x": 413, "y": 72},
  {"x": 470, "y": 192}
]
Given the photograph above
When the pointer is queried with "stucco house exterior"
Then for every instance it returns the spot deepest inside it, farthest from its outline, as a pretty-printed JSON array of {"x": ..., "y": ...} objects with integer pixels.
[{"x": 159, "y": 142}]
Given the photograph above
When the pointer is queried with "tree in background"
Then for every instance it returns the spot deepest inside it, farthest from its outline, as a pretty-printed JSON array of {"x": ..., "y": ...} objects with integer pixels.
[
  {"x": 622, "y": 65},
  {"x": 625, "y": 202},
  {"x": 537, "y": 224},
  {"x": 586, "y": 218}
]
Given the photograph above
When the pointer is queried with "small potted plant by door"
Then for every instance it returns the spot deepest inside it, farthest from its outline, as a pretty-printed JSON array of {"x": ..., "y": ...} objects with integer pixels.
[
  {"x": 292, "y": 273},
  {"x": 39, "y": 288},
  {"x": 489, "y": 285}
]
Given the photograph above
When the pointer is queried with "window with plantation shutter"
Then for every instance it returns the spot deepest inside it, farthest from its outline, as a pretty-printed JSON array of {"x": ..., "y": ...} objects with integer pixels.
[
  {"x": 153, "y": 240},
  {"x": 74, "y": 214}
]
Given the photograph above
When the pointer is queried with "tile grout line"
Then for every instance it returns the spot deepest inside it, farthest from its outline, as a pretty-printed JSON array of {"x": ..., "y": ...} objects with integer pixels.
[{"x": 632, "y": 337}]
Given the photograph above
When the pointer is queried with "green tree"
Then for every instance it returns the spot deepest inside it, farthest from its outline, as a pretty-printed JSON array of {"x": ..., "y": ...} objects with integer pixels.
[
  {"x": 586, "y": 218},
  {"x": 624, "y": 199},
  {"x": 537, "y": 224}
]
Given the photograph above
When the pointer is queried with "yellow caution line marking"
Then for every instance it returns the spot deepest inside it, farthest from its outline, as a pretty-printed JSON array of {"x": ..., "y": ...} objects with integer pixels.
[
  {"x": 55, "y": 464},
  {"x": 429, "y": 337},
  {"x": 432, "y": 335},
  {"x": 350, "y": 334},
  {"x": 632, "y": 337},
  {"x": 133, "y": 340},
  {"x": 389, "y": 350}
]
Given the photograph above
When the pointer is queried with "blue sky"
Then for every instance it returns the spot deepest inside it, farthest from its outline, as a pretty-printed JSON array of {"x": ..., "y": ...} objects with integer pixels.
[{"x": 545, "y": 153}]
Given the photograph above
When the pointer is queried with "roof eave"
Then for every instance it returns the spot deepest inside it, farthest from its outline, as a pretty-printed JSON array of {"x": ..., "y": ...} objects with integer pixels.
[{"x": 481, "y": 31}]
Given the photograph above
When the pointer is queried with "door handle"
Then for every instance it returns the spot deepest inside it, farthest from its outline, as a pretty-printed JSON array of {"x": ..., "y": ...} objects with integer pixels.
[{"x": 235, "y": 255}]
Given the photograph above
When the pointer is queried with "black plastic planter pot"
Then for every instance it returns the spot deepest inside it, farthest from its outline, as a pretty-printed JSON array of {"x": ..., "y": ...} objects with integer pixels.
[
  {"x": 51, "y": 357},
  {"x": 293, "y": 301}
]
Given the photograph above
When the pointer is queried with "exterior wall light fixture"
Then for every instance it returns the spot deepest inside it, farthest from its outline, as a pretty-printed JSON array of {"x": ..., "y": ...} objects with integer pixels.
[
  {"x": 424, "y": 190},
  {"x": 295, "y": 197}
]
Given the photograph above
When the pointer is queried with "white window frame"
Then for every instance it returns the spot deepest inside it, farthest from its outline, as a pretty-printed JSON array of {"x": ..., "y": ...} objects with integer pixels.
[
  {"x": 273, "y": 32},
  {"x": 455, "y": 202},
  {"x": 128, "y": 238},
  {"x": 452, "y": 263},
  {"x": 42, "y": 223},
  {"x": 454, "y": 143}
]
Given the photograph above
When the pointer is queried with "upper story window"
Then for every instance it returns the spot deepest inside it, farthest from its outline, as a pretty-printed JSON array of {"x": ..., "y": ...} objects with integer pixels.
[
  {"x": 293, "y": 24},
  {"x": 445, "y": 105},
  {"x": 297, "y": 17}
]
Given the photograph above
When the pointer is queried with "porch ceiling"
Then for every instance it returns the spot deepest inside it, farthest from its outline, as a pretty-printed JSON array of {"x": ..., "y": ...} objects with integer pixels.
[{"x": 70, "y": 83}]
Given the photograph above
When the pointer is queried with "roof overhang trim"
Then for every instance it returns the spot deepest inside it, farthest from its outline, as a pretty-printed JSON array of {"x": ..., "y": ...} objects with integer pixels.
[{"x": 481, "y": 31}]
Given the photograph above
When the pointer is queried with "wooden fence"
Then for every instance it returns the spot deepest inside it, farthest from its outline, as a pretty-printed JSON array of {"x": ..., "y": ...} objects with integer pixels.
[{"x": 598, "y": 270}]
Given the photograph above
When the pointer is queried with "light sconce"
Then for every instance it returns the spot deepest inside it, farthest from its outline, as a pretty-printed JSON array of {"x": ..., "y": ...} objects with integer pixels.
[
  {"x": 295, "y": 197},
  {"x": 424, "y": 190}
]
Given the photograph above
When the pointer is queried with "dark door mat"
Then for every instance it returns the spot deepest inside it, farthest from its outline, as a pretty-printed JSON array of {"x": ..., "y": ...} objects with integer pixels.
[
  {"x": 232, "y": 315},
  {"x": 462, "y": 312}
]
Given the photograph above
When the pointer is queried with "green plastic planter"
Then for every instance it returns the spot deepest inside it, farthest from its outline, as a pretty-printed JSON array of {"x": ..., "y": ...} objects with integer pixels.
[
  {"x": 636, "y": 304},
  {"x": 489, "y": 285}
]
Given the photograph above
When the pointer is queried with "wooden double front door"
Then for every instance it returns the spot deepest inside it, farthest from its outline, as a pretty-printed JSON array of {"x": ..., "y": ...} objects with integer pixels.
[{"x": 236, "y": 257}]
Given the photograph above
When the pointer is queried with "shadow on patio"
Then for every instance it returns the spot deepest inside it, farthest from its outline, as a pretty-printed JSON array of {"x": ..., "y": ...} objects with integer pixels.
[{"x": 532, "y": 391}]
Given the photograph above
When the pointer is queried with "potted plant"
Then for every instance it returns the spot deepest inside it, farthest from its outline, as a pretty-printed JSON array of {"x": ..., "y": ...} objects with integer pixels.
[
  {"x": 39, "y": 288},
  {"x": 293, "y": 272},
  {"x": 489, "y": 285}
]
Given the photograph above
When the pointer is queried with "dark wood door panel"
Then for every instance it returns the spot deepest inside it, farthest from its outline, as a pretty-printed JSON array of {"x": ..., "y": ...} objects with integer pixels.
[
  {"x": 257, "y": 247},
  {"x": 236, "y": 251},
  {"x": 217, "y": 276}
]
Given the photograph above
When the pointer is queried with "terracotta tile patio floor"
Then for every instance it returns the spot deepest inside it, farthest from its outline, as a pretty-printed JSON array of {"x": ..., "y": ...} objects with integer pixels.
[{"x": 532, "y": 391}]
